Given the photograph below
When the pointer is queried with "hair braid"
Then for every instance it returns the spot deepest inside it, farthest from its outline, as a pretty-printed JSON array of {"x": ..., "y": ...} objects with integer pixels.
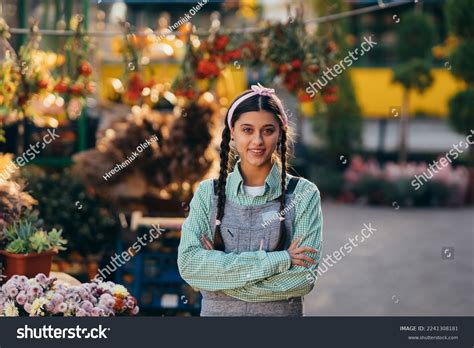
[
  {"x": 218, "y": 242},
  {"x": 283, "y": 157}
]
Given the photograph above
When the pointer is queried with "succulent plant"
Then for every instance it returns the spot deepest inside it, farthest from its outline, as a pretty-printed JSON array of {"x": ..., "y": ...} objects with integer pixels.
[
  {"x": 56, "y": 239},
  {"x": 17, "y": 246},
  {"x": 39, "y": 241},
  {"x": 25, "y": 237}
]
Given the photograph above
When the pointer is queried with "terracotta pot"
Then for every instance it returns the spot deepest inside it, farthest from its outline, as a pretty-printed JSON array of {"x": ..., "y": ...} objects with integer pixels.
[{"x": 28, "y": 265}]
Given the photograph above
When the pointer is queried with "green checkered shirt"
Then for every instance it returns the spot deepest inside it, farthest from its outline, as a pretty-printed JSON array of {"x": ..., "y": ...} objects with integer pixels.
[{"x": 254, "y": 276}]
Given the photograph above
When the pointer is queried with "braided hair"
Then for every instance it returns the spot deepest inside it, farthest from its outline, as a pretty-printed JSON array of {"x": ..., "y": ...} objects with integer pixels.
[{"x": 228, "y": 158}]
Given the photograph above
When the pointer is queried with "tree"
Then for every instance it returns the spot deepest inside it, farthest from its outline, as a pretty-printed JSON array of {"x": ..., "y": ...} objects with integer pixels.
[
  {"x": 414, "y": 72},
  {"x": 338, "y": 124},
  {"x": 460, "y": 18}
]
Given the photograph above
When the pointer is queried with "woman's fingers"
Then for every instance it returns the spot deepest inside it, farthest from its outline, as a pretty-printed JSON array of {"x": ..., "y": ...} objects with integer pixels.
[
  {"x": 294, "y": 243},
  {"x": 305, "y": 249},
  {"x": 304, "y": 257}
]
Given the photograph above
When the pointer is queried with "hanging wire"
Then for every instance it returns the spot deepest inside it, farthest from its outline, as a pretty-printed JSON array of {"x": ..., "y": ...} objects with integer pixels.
[{"x": 324, "y": 19}]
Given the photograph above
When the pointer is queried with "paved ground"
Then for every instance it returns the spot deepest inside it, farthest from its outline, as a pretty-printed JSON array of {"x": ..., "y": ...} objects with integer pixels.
[{"x": 399, "y": 270}]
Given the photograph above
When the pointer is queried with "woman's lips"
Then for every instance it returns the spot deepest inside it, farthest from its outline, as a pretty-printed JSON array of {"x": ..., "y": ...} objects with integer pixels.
[{"x": 257, "y": 152}]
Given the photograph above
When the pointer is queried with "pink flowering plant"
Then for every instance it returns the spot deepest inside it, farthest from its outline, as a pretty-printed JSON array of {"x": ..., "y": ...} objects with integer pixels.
[
  {"x": 406, "y": 183},
  {"x": 42, "y": 296}
]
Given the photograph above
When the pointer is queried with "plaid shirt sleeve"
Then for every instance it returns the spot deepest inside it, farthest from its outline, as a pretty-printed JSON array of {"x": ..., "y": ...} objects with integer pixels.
[
  {"x": 215, "y": 270},
  {"x": 298, "y": 280}
]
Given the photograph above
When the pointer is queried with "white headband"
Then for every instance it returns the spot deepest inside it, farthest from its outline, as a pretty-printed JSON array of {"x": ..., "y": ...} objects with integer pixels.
[{"x": 258, "y": 89}]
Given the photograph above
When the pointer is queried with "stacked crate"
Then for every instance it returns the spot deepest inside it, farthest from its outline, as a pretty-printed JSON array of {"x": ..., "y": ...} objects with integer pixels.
[{"x": 152, "y": 274}]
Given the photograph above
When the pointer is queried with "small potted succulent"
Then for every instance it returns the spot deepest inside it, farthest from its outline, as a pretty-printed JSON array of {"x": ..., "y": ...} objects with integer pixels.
[{"x": 30, "y": 249}]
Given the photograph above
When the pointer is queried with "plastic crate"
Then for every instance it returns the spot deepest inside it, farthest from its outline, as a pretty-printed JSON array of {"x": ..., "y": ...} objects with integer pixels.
[{"x": 152, "y": 274}]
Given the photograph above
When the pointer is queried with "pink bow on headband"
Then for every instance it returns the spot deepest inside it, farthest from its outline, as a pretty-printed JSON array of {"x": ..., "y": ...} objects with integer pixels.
[{"x": 258, "y": 89}]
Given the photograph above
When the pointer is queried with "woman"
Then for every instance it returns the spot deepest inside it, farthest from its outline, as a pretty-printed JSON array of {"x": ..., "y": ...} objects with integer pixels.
[{"x": 246, "y": 246}]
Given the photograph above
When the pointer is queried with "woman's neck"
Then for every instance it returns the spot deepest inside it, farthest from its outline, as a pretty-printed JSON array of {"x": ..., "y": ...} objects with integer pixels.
[{"x": 253, "y": 175}]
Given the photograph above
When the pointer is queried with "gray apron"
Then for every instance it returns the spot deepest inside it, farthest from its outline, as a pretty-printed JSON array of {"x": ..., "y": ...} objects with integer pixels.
[{"x": 242, "y": 230}]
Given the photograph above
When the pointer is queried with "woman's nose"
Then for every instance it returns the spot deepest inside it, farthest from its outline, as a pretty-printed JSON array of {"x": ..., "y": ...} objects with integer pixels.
[{"x": 257, "y": 139}]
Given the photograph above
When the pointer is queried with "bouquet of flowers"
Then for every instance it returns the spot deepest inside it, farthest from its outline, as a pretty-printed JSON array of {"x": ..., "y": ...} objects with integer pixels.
[{"x": 42, "y": 296}]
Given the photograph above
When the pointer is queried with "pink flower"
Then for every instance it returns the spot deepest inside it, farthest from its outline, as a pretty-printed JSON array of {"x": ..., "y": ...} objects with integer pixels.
[
  {"x": 41, "y": 278},
  {"x": 21, "y": 298},
  {"x": 62, "y": 307},
  {"x": 12, "y": 291}
]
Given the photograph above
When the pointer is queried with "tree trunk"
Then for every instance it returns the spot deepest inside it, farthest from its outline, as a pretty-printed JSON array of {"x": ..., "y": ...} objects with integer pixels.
[{"x": 402, "y": 154}]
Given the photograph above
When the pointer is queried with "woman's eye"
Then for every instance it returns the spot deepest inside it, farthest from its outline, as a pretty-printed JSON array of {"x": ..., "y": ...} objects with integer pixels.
[
  {"x": 268, "y": 131},
  {"x": 247, "y": 130}
]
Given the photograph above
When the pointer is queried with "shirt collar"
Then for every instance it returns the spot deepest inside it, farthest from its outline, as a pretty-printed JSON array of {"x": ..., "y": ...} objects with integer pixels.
[{"x": 272, "y": 182}]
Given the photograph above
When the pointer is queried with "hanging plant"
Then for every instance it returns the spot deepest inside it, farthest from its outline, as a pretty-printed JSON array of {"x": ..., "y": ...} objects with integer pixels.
[
  {"x": 296, "y": 58},
  {"x": 75, "y": 82},
  {"x": 9, "y": 80}
]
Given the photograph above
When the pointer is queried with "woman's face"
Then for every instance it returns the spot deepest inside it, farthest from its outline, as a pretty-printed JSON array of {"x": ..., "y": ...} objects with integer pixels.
[{"x": 256, "y": 135}]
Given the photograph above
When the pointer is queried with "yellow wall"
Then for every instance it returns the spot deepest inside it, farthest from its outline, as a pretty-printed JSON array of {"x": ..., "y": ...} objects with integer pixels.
[{"x": 376, "y": 94}]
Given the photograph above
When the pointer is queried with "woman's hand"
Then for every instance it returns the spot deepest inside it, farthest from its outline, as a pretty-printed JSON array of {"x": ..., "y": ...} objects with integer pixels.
[
  {"x": 297, "y": 255},
  {"x": 206, "y": 243}
]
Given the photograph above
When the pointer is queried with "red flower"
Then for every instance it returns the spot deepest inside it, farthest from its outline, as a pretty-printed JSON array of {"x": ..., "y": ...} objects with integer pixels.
[
  {"x": 292, "y": 81},
  {"x": 85, "y": 69},
  {"x": 61, "y": 87},
  {"x": 231, "y": 55},
  {"x": 133, "y": 95},
  {"x": 283, "y": 68},
  {"x": 77, "y": 88},
  {"x": 329, "y": 98},
  {"x": 330, "y": 90},
  {"x": 236, "y": 54},
  {"x": 221, "y": 42},
  {"x": 42, "y": 84},
  {"x": 135, "y": 84},
  {"x": 296, "y": 64},
  {"x": 304, "y": 97},
  {"x": 313, "y": 69},
  {"x": 190, "y": 93},
  {"x": 225, "y": 57},
  {"x": 207, "y": 69}
]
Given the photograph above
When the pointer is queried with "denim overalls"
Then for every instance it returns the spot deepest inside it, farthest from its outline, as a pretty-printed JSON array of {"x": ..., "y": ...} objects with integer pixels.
[{"x": 243, "y": 228}]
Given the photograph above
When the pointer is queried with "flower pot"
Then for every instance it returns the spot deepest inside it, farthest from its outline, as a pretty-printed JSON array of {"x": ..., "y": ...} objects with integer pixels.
[{"x": 28, "y": 265}]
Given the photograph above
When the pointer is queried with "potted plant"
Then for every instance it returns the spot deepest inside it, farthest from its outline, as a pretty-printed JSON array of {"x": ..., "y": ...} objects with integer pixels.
[{"x": 30, "y": 249}]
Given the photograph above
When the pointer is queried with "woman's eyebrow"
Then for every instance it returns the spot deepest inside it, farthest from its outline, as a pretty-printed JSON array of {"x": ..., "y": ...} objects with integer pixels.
[{"x": 251, "y": 125}]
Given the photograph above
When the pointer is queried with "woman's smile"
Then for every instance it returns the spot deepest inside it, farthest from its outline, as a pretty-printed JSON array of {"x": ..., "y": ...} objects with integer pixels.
[{"x": 257, "y": 152}]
